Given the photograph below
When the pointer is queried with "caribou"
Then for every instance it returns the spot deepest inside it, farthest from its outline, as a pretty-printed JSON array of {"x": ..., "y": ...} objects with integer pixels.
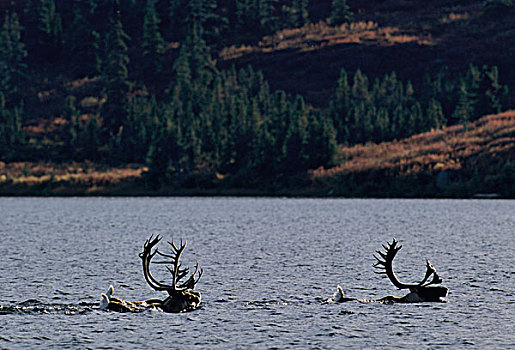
[
  {"x": 181, "y": 296},
  {"x": 423, "y": 291}
]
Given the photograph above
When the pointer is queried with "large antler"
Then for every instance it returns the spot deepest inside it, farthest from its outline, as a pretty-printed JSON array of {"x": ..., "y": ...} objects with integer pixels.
[
  {"x": 386, "y": 264},
  {"x": 176, "y": 270},
  {"x": 146, "y": 256}
]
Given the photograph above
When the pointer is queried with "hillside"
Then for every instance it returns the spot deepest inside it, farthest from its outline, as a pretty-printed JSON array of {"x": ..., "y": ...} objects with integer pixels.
[
  {"x": 478, "y": 158},
  {"x": 457, "y": 161},
  {"x": 406, "y": 37},
  {"x": 248, "y": 97}
]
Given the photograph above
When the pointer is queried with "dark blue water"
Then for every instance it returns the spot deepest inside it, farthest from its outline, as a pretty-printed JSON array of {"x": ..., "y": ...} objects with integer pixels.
[{"x": 268, "y": 265}]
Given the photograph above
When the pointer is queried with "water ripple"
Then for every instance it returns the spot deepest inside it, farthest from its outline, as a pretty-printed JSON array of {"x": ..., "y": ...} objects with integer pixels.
[{"x": 269, "y": 264}]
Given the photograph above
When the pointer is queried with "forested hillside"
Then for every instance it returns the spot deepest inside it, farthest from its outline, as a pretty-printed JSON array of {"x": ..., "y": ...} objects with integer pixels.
[{"x": 245, "y": 94}]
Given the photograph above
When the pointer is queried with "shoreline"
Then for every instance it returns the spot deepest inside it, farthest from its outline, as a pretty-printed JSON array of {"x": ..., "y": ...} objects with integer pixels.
[{"x": 322, "y": 193}]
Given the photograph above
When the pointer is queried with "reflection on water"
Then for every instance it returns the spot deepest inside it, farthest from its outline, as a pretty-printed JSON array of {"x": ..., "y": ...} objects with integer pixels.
[{"x": 268, "y": 266}]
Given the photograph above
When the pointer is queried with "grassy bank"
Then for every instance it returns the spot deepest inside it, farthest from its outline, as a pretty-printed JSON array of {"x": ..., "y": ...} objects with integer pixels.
[{"x": 458, "y": 161}]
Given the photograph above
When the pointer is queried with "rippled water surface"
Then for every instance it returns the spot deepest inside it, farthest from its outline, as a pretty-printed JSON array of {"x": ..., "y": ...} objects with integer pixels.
[{"x": 268, "y": 265}]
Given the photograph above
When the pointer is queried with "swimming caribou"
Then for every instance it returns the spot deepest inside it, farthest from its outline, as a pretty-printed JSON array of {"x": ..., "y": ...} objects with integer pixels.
[
  {"x": 422, "y": 291},
  {"x": 181, "y": 296}
]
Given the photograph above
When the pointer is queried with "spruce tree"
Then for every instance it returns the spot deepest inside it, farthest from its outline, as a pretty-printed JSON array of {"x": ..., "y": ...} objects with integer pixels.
[
  {"x": 465, "y": 107},
  {"x": 268, "y": 21},
  {"x": 178, "y": 11},
  {"x": 339, "y": 107},
  {"x": 359, "y": 122},
  {"x": 71, "y": 115},
  {"x": 498, "y": 6},
  {"x": 472, "y": 81},
  {"x": 50, "y": 27},
  {"x": 152, "y": 43},
  {"x": 491, "y": 93},
  {"x": 434, "y": 114},
  {"x": 31, "y": 23},
  {"x": 296, "y": 139},
  {"x": 92, "y": 142},
  {"x": 158, "y": 158},
  {"x": 321, "y": 145},
  {"x": 190, "y": 94},
  {"x": 11, "y": 137},
  {"x": 340, "y": 12},
  {"x": 12, "y": 61},
  {"x": 83, "y": 41},
  {"x": 416, "y": 122},
  {"x": 115, "y": 77},
  {"x": 298, "y": 13}
]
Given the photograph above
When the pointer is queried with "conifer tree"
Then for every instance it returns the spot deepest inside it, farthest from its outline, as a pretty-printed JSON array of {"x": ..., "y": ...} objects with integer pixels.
[
  {"x": 434, "y": 114},
  {"x": 465, "y": 107},
  {"x": 115, "y": 76},
  {"x": 296, "y": 139},
  {"x": 83, "y": 41},
  {"x": 92, "y": 142},
  {"x": 340, "y": 12},
  {"x": 360, "y": 87},
  {"x": 50, "y": 27},
  {"x": 246, "y": 16},
  {"x": 70, "y": 114},
  {"x": 152, "y": 44},
  {"x": 10, "y": 131},
  {"x": 321, "y": 145},
  {"x": 416, "y": 121},
  {"x": 268, "y": 22},
  {"x": 190, "y": 93},
  {"x": 31, "y": 23},
  {"x": 158, "y": 158},
  {"x": 382, "y": 125},
  {"x": 498, "y": 6},
  {"x": 297, "y": 13},
  {"x": 491, "y": 92},
  {"x": 359, "y": 122},
  {"x": 340, "y": 105},
  {"x": 12, "y": 61},
  {"x": 178, "y": 11}
]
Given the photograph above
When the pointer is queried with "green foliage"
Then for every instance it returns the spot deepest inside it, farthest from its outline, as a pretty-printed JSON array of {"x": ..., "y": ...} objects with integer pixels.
[
  {"x": 11, "y": 137},
  {"x": 391, "y": 109},
  {"x": 152, "y": 45},
  {"x": 340, "y": 12},
  {"x": 83, "y": 41},
  {"x": 434, "y": 113},
  {"x": 498, "y": 5},
  {"x": 192, "y": 122},
  {"x": 297, "y": 13},
  {"x": 115, "y": 77},
  {"x": 50, "y": 31},
  {"x": 12, "y": 61}
]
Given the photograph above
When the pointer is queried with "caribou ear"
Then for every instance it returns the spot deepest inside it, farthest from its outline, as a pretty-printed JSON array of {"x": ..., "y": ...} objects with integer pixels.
[{"x": 104, "y": 302}]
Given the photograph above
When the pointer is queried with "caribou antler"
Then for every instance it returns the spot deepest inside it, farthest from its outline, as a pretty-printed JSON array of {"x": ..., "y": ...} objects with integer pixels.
[
  {"x": 386, "y": 264},
  {"x": 176, "y": 270},
  {"x": 146, "y": 256}
]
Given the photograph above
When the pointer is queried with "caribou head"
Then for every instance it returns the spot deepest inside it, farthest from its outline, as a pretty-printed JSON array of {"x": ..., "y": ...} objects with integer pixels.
[
  {"x": 423, "y": 291},
  {"x": 419, "y": 292},
  {"x": 181, "y": 296}
]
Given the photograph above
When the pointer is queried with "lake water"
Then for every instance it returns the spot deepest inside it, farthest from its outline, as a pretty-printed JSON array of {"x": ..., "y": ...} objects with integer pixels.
[{"x": 268, "y": 265}]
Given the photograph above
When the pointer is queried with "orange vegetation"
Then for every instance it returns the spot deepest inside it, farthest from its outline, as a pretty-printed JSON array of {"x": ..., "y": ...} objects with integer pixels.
[
  {"x": 452, "y": 148},
  {"x": 89, "y": 175},
  {"x": 481, "y": 153},
  {"x": 313, "y": 36}
]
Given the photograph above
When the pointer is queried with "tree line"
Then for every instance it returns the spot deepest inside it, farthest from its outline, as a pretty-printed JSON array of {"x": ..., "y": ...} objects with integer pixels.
[
  {"x": 387, "y": 108},
  {"x": 177, "y": 112}
]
